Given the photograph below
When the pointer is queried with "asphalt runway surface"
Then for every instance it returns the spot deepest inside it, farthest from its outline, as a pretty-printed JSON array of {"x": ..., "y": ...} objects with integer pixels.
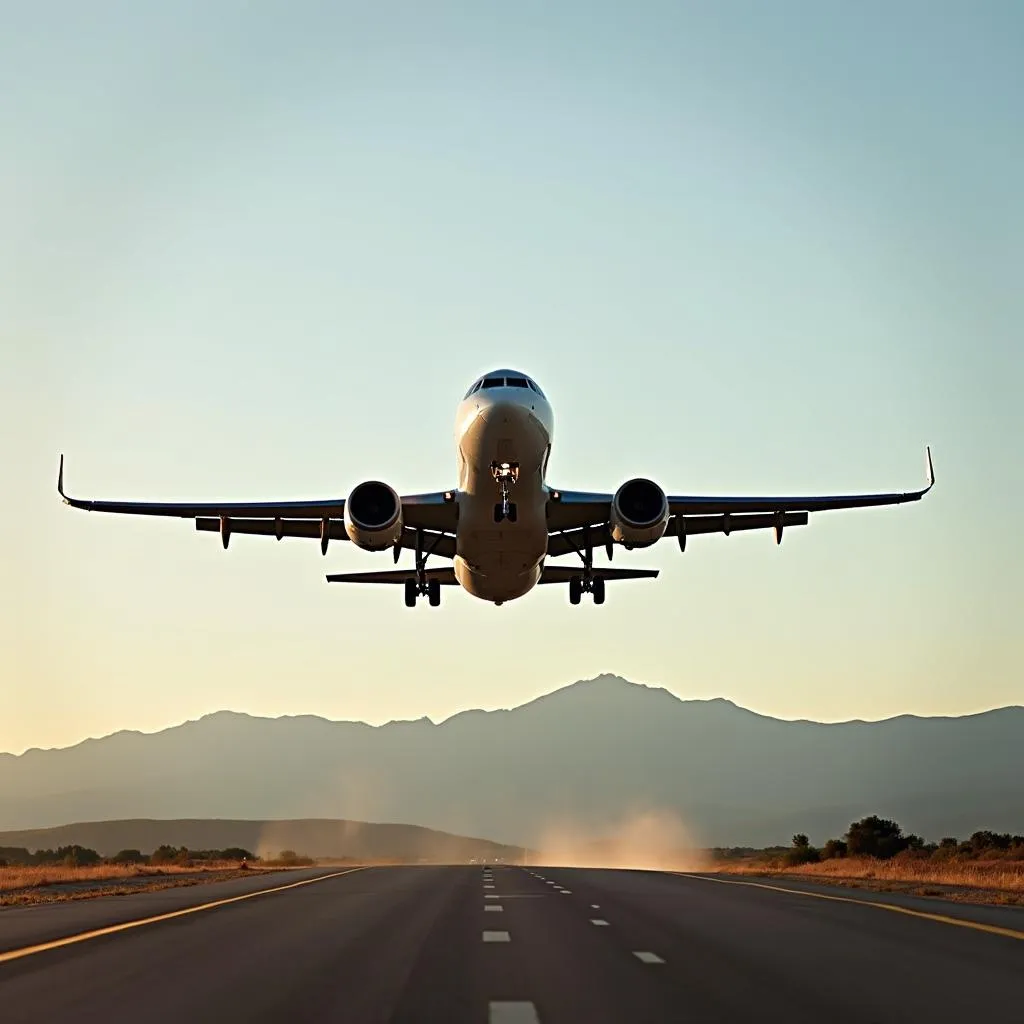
[{"x": 509, "y": 945}]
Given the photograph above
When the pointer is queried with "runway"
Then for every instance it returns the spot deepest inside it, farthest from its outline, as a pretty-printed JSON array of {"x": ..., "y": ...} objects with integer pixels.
[{"x": 506, "y": 945}]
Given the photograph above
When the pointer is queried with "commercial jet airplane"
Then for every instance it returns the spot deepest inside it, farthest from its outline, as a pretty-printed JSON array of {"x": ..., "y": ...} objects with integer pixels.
[{"x": 502, "y": 521}]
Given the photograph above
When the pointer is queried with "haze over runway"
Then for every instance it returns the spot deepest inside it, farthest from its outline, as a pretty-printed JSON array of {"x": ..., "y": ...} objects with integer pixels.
[{"x": 510, "y": 945}]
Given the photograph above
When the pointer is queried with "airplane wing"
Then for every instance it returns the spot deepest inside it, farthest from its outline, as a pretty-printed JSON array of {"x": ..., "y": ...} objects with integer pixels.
[
  {"x": 318, "y": 518},
  {"x": 446, "y": 577},
  {"x": 583, "y": 510},
  {"x": 565, "y": 573}
]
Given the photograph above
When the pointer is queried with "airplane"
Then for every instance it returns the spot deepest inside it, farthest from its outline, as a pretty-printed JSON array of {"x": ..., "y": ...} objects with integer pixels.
[{"x": 502, "y": 521}]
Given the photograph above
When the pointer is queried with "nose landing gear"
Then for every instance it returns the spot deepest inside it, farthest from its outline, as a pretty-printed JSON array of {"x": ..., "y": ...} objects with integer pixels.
[{"x": 505, "y": 476}]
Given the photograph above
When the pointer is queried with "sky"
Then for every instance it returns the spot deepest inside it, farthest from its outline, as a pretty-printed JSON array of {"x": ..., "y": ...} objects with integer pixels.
[{"x": 260, "y": 250}]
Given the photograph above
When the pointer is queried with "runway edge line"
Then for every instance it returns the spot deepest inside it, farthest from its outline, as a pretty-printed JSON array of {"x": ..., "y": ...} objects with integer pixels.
[
  {"x": 960, "y": 922},
  {"x": 113, "y": 929}
]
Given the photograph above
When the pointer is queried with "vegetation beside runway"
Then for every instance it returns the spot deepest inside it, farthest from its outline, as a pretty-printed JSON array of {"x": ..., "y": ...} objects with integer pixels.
[
  {"x": 77, "y": 872},
  {"x": 876, "y": 854}
]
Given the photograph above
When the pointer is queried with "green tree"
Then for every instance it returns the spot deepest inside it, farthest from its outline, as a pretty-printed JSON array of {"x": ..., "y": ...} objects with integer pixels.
[{"x": 875, "y": 837}]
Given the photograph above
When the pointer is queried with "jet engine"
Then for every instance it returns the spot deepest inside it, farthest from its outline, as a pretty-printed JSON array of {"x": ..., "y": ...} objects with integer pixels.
[
  {"x": 373, "y": 516},
  {"x": 639, "y": 514}
]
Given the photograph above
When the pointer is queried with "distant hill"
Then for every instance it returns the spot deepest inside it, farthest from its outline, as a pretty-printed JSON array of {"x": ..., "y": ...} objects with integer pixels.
[
  {"x": 316, "y": 837},
  {"x": 600, "y": 757}
]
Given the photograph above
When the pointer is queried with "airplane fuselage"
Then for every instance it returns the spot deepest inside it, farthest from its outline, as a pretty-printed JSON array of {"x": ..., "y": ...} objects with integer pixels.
[{"x": 501, "y": 430}]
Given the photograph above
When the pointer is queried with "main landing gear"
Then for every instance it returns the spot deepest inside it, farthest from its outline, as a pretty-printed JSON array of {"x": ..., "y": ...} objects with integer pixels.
[
  {"x": 588, "y": 582},
  {"x": 418, "y": 585},
  {"x": 414, "y": 588},
  {"x": 505, "y": 476}
]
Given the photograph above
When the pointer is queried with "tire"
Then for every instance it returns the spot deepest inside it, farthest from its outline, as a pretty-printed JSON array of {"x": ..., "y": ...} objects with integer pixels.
[
  {"x": 598, "y": 591},
  {"x": 575, "y": 590},
  {"x": 512, "y": 513},
  {"x": 498, "y": 514},
  {"x": 410, "y": 593},
  {"x": 434, "y": 592}
]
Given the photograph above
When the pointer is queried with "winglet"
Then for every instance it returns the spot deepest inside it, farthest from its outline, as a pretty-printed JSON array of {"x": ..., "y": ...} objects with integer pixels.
[
  {"x": 60, "y": 478},
  {"x": 931, "y": 468}
]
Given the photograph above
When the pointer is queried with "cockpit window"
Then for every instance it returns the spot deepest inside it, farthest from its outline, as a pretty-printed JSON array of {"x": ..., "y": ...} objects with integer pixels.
[
  {"x": 473, "y": 389},
  {"x": 494, "y": 382},
  {"x": 534, "y": 385},
  {"x": 516, "y": 382}
]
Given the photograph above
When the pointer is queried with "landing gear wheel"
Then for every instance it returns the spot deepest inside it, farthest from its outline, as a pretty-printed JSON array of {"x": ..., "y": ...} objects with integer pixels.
[
  {"x": 511, "y": 513},
  {"x": 575, "y": 590},
  {"x": 499, "y": 513},
  {"x": 434, "y": 592},
  {"x": 411, "y": 593},
  {"x": 597, "y": 588}
]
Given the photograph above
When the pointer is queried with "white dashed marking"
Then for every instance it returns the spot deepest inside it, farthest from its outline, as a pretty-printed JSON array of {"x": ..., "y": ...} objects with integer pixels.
[
  {"x": 493, "y": 906},
  {"x": 599, "y": 921},
  {"x": 492, "y": 896},
  {"x": 595, "y": 906},
  {"x": 488, "y": 886},
  {"x": 497, "y": 937},
  {"x": 513, "y": 1013},
  {"x": 648, "y": 958},
  {"x": 565, "y": 892}
]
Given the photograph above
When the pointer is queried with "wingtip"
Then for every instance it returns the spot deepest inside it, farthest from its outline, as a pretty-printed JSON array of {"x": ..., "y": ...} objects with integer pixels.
[
  {"x": 60, "y": 477},
  {"x": 931, "y": 467}
]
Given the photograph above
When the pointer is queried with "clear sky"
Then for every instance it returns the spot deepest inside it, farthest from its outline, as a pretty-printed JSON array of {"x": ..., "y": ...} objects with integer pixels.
[{"x": 259, "y": 251}]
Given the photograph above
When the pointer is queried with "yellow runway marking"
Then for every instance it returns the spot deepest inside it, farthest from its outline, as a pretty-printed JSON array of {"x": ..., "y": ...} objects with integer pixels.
[
  {"x": 42, "y": 947},
  {"x": 978, "y": 926}
]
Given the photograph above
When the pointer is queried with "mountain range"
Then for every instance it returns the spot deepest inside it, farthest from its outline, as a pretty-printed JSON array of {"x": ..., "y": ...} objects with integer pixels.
[{"x": 599, "y": 758}]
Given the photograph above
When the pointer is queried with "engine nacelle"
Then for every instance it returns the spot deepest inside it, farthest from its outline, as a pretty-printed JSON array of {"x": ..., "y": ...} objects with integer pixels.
[
  {"x": 639, "y": 513},
  {"x": 373, "y": 516}
]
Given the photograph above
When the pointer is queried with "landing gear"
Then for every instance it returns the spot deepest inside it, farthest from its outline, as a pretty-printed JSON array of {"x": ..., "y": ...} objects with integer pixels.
[
  {"x": 418, "y": 585},
  {"x": 505, "y": 476},
  {"x": 588, "y": 582}
]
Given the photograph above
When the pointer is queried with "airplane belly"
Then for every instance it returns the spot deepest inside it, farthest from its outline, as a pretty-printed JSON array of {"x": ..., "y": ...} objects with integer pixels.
[{"x": 501, "y": 561}]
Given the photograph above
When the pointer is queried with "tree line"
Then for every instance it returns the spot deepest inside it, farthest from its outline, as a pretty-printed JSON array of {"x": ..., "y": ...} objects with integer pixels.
[
  {"x": 882, "y": 839},
  {"x": 83, "y": 856}
]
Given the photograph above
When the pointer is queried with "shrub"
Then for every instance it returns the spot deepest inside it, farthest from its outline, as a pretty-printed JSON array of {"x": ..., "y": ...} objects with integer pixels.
[
  {"x": 801, "y": 853},
  {"x": 833, "y": 849},
  {"x": 876, "y": 837},
  {"x": 128, "y": 857}
]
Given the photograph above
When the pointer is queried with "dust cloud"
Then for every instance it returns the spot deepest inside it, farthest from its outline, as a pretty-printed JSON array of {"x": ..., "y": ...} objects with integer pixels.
[{"x": 649, "y": 840}]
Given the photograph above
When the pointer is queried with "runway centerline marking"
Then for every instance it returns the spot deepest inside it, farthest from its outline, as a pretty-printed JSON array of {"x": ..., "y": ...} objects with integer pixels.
[
  {"x": 493, "y": 907},
  {"x": 647, "y": 958},
  {"x": 599, "y": 921},
  {"x": 960, "y": 922},
  {"x": 512, "y": 1013},
  {"x": 497, "y": 937},
  {"x": 113, "y": 929}
]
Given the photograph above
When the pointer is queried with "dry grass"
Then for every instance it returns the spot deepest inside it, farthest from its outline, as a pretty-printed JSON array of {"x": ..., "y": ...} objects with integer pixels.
[
  {"x": 16, "y": 877},
  {"x": 990, "y": 881}
]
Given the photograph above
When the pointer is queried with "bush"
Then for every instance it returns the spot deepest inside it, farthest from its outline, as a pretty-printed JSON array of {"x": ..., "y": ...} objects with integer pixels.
[
  {"x": 164, "y": 855},
  {"x": 801, "y": 853},
  {"x": 235, "y": 853},
  {"x": 833, "y": 849},
  {"x": 876, "y": 837},
  {"x": 128, "y": 857}
]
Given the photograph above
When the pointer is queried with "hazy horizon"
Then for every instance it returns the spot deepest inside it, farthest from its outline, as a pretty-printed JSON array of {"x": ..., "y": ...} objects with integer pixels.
[
  {"x": 744, "y": 249},
  {"x": 440, "y": 721}
]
